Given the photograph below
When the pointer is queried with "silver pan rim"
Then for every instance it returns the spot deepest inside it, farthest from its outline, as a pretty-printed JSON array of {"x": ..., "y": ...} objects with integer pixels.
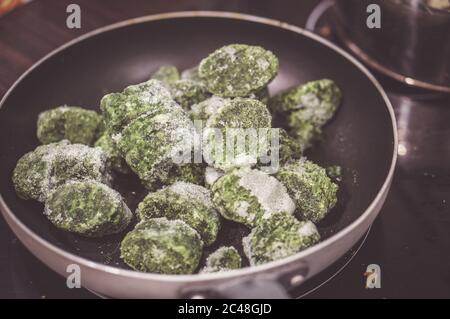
[{"x": 13, "y": 221}]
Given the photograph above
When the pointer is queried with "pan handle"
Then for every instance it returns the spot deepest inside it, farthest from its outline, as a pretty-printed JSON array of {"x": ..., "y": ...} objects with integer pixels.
[
  {"x": 255, "y": 288},
  {"x": 275, "y": 284}
]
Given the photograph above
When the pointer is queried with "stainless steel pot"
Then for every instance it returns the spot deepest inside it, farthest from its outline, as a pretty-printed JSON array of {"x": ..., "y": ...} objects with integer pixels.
[
  {"x": 362, "y": 138},
  {"x": 412, "y": 45}
]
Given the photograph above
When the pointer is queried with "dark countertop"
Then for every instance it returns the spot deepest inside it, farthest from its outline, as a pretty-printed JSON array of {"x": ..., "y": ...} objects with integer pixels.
[
  {"x": 31, "y": 31},
  {"x": 410, "y": 239}
]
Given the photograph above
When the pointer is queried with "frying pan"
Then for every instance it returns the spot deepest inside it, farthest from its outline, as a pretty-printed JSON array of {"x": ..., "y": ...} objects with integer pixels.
[{"x": 362, "y": 139}]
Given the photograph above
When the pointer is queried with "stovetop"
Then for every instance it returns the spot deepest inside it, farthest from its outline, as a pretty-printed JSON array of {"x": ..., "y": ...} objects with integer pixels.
[{"x": 410, "y": 240}]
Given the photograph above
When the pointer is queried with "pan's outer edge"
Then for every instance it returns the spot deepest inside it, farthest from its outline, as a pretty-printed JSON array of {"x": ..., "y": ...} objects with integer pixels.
[{"x": 18, "y": 226}]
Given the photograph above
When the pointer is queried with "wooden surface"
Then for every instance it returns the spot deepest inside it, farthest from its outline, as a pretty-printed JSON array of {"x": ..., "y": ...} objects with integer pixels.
[{"x": 33, "y": 30}]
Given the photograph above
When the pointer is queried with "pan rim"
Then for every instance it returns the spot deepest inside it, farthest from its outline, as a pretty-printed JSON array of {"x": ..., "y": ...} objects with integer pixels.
[{"x": 8, "y": 214}]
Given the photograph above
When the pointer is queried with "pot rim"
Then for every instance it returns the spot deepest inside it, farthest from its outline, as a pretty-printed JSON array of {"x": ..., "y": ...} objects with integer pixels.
[
  {"x": 397, "y": 71},
  {"x": 410, "y": 81},
  {"x": 9, "y": 215}
]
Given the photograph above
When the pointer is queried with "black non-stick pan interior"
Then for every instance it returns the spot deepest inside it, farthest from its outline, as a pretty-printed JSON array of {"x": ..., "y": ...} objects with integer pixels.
[{"x": 360, "y": 138}]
